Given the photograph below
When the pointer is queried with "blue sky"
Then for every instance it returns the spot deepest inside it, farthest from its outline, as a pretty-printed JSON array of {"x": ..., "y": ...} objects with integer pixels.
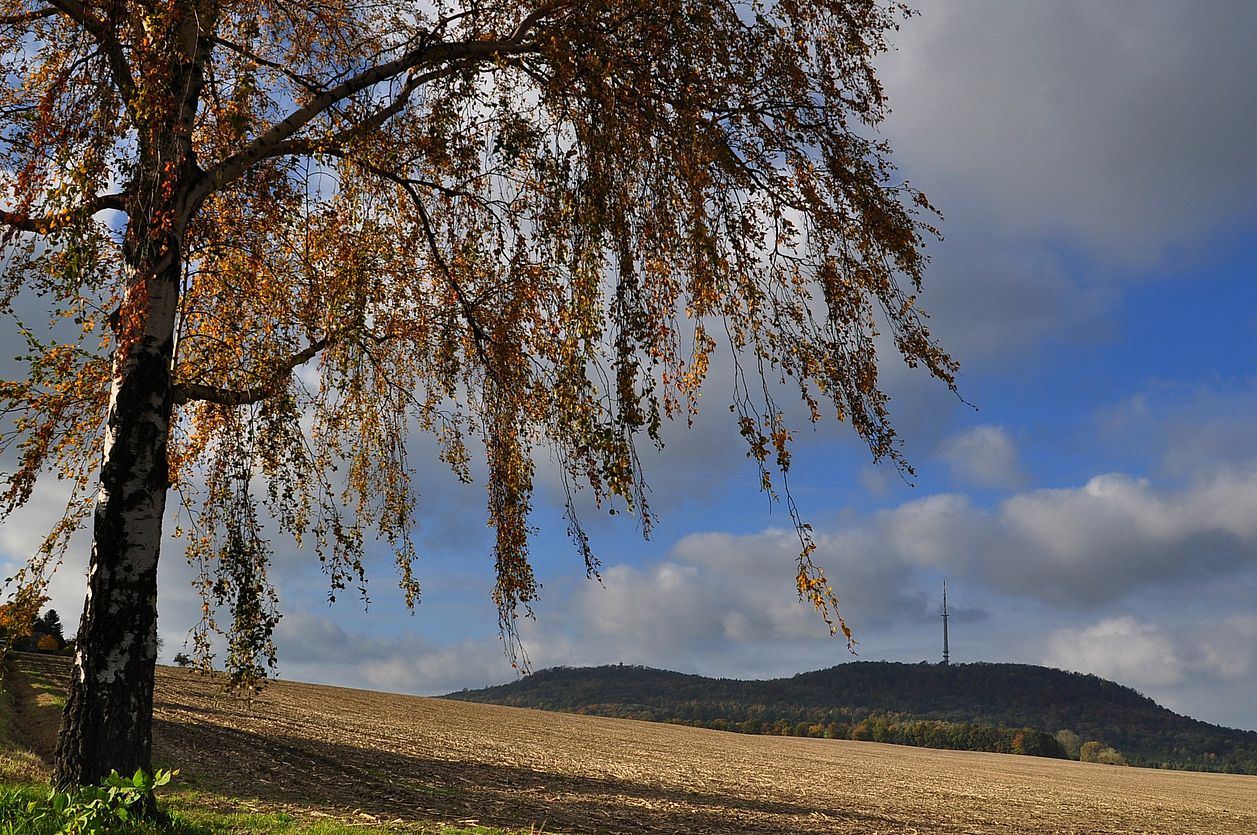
[{"x": 1093, "y": 504}]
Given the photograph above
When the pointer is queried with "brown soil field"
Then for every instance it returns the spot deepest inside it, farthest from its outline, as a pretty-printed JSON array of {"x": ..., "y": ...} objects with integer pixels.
[{"x": 328, "y": 750}]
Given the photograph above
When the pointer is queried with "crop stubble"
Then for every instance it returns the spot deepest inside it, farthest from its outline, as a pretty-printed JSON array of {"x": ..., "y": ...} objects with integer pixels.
[{"x": 389, "y": 756}]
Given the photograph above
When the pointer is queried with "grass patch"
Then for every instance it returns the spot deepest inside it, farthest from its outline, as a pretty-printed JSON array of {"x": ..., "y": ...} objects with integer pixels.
[
  {"x": 218, "y": 813},
  {"x": 30, "y": 810},
  {"x": 25, "y": 809}
]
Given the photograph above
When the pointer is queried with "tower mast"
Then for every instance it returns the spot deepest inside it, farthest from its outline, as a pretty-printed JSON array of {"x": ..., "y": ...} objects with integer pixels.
[{"x": 946, "y": 654}]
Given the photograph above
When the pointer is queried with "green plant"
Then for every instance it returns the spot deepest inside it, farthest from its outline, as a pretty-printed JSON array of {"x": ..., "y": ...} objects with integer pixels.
[{"x": 98, "y": 810}]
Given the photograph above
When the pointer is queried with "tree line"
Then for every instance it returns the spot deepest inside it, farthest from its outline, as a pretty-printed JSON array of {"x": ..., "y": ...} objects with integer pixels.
[{"x": 891, "y": 728}]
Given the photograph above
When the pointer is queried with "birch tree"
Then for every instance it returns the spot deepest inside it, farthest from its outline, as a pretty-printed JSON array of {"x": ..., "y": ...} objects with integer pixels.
[{"x": 275, "y": 238}]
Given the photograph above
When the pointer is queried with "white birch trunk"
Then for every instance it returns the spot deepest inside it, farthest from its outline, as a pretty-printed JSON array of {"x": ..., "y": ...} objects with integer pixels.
[{"x": 108, "y": 715}]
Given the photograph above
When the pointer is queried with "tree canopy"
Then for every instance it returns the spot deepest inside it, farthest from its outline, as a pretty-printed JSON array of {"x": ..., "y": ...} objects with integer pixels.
[{"x": 276, "y": 237}]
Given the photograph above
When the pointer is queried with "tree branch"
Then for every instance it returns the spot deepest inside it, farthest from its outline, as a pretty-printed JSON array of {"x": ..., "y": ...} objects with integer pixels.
[
  {"x": 109, "y": 44},
  {"x": 334, "y": 145},
  {"x": 309, "y": 84},
  {"x": 57, "y": 220},
  {"x": 536, "y": 17},
  {"x": 187, "y": 392},
  {"x": 14, "y": 19},
  {"x": 274, "y": 141},
  {"x": 468, "y": 309}
]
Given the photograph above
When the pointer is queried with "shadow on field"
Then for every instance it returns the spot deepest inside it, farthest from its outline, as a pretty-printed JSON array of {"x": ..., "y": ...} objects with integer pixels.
[
  {"x": 38, "y": 696},
  {"x": 386, "y": 785}
]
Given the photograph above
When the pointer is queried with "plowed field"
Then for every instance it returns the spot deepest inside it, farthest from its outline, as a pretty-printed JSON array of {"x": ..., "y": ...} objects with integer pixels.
[{"x": 387, "y": 757}]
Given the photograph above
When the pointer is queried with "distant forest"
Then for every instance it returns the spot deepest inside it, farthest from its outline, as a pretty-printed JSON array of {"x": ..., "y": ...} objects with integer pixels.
[{"x": 1007, "y": 708}]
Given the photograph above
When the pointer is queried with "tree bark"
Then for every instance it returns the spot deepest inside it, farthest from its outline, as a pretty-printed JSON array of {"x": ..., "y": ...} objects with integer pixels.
[
  {"x": 108, "y": 718},
  {"x": 107, "y": 723}
]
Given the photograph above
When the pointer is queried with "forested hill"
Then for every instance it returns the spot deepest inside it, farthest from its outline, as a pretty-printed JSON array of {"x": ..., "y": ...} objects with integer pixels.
[{"x": 994, "y": 707}]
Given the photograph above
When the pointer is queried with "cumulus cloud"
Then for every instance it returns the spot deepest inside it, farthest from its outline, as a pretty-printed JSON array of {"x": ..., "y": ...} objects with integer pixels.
[
  {"x": 1181, "y": 666},
  {"x": 1085, "y": 546},
  {"x": 984, "y": 455},
  {"x": 722, "y": 604},
  {"x": 714, "y": 595},
  {"x": 1122, "y": 649}
]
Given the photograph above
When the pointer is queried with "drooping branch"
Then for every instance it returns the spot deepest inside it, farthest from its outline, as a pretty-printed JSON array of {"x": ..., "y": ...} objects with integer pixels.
[
  {"x": 187, "y": 392},
  {"x": 465, "y": 304}
]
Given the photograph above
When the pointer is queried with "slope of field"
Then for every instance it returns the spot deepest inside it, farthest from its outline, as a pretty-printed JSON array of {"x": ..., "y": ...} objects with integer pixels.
[
  {"x": 838, "y": 699},
  {"x": 401, "y": 757}
]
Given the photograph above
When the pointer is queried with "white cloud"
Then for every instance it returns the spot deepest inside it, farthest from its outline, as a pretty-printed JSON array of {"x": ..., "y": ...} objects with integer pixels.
[
  {"x": 984, "y": 455},
  {"x": 722, "y": 604},
  {"x": 1122, "y": 649},
  {"x": 1079, "y": 548},
  {"x": 712, "y": 590},
  {"x": 1148, "y": 655},
  {"x": 1086, "y": 546}
]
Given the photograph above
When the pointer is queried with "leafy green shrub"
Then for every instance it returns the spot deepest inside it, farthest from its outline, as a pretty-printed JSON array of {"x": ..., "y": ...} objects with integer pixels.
[{"x": 116, "y": 805}]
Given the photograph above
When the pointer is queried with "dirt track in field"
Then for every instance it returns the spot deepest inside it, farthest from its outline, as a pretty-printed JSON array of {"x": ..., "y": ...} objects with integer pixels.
[{"x": 394, "y": 757}]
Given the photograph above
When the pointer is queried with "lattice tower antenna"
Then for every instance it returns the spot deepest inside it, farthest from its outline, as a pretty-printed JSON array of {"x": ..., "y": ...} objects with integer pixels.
[{"x": 946, "y": 654}]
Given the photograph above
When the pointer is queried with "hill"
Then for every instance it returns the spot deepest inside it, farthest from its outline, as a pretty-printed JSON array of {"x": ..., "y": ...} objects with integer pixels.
[
  {"x": 1013, "y": 708},
  {"x": 381, "y": 762}
]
